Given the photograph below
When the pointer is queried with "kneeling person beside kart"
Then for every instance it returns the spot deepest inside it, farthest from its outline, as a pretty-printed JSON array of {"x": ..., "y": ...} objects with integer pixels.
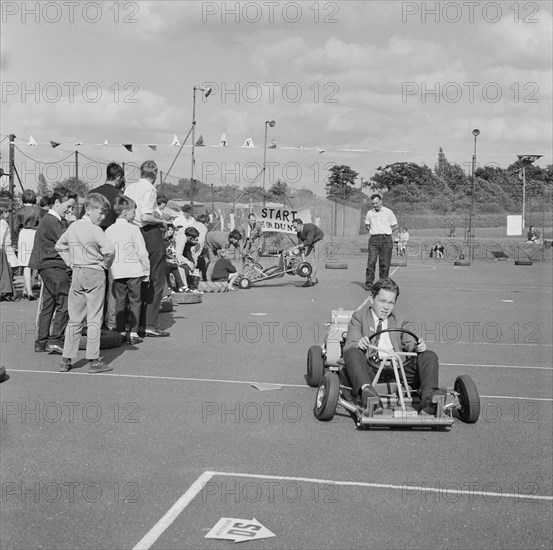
[{"x": 363, "y": 363}]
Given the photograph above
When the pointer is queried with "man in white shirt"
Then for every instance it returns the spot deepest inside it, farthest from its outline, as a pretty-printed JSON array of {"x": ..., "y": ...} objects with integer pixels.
[
  {"x": 421, "y": 372},
  {"x": 381, "y": 223},
  {"x": 185, "y": 219},
  {"x": 144, "y": 194}
]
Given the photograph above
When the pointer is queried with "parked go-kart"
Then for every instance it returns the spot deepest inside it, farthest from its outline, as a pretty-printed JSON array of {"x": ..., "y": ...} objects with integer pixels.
[
  {"x": 326, "y": 371},
  {"x": 289, "y": 264}
]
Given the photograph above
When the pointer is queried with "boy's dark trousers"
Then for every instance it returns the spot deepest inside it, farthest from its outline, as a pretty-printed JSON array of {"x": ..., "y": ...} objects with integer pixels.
[
  {"x": 56, "y": 282},
  {"x": 128, "y": 293},
  {"x": 152, "y": 292}
]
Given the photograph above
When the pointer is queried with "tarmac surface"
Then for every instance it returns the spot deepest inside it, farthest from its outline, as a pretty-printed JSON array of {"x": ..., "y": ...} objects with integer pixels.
[{"x": 154, "y": 453}]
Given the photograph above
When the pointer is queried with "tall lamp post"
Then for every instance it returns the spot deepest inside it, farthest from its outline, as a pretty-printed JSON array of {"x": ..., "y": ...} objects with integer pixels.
[
  {"x": 475, "y": 133},
  {"x": 206, "y": 91},
  {"x": 525, "y": 160},
  {"x": 271, "y": 123}
]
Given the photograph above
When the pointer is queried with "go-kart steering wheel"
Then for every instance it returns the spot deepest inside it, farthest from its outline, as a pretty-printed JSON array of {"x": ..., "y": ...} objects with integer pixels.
[{"x": 417, "y": 339}]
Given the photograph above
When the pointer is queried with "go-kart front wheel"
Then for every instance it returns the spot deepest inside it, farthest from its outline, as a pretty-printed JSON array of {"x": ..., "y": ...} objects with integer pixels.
[
  {"x": 315, "y": 366},
  {"x": 304, "y": 269},
  {"x": 327, "y": 397},
  {"x": 469, "y": 399},
  {"x": 244, "y": 283}
]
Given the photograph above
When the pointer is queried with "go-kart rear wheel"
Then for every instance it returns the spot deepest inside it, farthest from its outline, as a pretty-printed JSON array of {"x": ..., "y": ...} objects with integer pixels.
[
  {"x": 244, "y": 283},
  {"x": 327, "y": 397},
  {"x": 304, "y": 269},
  {"x": 468, "y": 399},
  {"x": 315, "y": 366}
]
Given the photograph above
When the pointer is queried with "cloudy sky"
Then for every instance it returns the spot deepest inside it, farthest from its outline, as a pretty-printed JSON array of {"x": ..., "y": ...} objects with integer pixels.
[{"x": 364, "y": 83}]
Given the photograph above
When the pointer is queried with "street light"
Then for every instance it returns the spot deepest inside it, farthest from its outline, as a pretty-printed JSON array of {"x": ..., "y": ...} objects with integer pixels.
[
  {"x": 271, "y": 123},
  {"x": 525, "y": 160},
  {"x": 475, "y": 133},
  {"x": 193, "y": 161}
]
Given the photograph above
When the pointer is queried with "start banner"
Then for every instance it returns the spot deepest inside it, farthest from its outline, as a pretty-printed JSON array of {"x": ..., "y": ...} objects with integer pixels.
[{"x": 280, "y": 219}]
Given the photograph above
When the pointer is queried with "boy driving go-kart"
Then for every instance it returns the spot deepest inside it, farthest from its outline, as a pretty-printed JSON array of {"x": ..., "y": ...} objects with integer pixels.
[
  {"x": 374, "y": 367},
  {"x": 362, "y": 364}
]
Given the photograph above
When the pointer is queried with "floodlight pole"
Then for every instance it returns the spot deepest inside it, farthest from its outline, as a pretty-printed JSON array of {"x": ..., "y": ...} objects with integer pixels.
[
  {"x": 271, "y": 123},
  {"x": 193, "y": 160},
  {"x": 475, "y": 133}
]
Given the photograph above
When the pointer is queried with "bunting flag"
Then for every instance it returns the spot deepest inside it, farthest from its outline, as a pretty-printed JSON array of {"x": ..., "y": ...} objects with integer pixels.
[
  {"x": 273, "y": 144},
  {"x": 79, "y": 143},
  {"x": 31, "y": 141},
  {"x": 54, "y": 144},
  {"x": 106, "y": 142},
  {"x": 176, "y": 142},
  {"x": 248, "y": 143},
  {"x": 200, "y": 142},
  {"x": 223, "y": 140},
  {"x": 153, "y": 147},
  {"x": 128, "y": 147}
]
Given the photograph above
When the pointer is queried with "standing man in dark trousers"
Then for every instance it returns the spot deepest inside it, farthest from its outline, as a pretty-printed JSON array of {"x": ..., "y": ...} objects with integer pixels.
[
  {"x": 111, "y": 189},
  {"x": 381, "y": 223},
  {"x": 309, "y": 243},
  {"x": 144, "y": 194},
  {"x": 54, "y": 273}
]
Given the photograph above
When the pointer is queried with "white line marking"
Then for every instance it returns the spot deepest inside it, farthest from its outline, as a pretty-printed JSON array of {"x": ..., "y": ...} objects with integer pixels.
[
  {"x": 403, "y": 487},
  {"x": 159, "y": 528},
  {"x": 495, "y": 366},
  {"x": 244, "y": 382}
]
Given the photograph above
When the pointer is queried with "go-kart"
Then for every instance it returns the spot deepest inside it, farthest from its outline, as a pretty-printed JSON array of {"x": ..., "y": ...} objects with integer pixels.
[
  {"x": 289, "y": 263},
  {"x": 397, "y": 404}
]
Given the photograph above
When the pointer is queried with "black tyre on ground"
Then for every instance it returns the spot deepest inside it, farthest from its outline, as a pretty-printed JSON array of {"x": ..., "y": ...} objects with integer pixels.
[
  {"x": 244, "y": 283},
  {"x": 523, "y": 262},
  {"x": 327, "y": 397},
  {"x": 304, "y": 269},
  {"x": 336, "y": 266},
  {"x": 464, "y": 263},
  {"x": 468, "y": 398},
  {"x": 315, "y": 366},
  {"x": 186, "y": 298},
  {"x": 108, "y": 339}
]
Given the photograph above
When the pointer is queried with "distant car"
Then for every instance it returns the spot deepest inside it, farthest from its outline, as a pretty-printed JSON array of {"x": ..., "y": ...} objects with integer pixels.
[{"x": 327, "y": 372}]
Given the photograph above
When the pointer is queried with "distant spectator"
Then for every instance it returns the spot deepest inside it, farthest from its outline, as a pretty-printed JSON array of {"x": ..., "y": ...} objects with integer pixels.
[
  {"x": 6, "y": 250},
  {"x": 403, "y": 239},
  {"x": 26, "y": 221},
  {"x": 437, "y": 251},
  {"x": 224, "y": 271},
  {"x": 185, "y": 219},
  {"x": 534, "y": 236},
  {"x": 451, "y": 229}
]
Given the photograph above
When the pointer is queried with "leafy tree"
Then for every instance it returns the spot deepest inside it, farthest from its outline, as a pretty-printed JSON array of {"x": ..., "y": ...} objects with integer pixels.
[
  {"x": 76, "y": 185},
  {"x": 279, "y": 189},
  {"x": 42, "y": 186},
  {"x": 340, "y": 182}
]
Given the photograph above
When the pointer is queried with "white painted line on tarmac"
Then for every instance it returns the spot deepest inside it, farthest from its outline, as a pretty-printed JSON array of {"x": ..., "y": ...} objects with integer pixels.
[
  {"x": 524, "y": 367},
  {"x": 244, "y": 382},
  {"x": 161, "y": 526},
  {"x": 404, "y": 487}
]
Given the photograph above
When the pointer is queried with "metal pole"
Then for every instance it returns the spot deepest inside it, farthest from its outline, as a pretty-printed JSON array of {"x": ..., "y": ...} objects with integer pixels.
[
  {"x": 264, "y": 162},
  {"x": 76, "y": 164},
  {"x": 193, "y": 138},
  {"x": 12, "y": 173},
  {"x": 473, "y": 185},
  {"x": 523, "y": 196}
]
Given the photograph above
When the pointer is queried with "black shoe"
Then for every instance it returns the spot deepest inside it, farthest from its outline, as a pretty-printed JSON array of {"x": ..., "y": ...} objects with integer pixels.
[
  {"x": 97, "y": 365},
  {"x": 65, "y": 365},
  {"x": 307, "y": 283},
  {"x": 39, "y": 348},
  {"x": 366, "y": 393},
  {"x": 156, "y": 333},
  {"x": 54, "y": 348},
  {"x": 427, "y": 406}
]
